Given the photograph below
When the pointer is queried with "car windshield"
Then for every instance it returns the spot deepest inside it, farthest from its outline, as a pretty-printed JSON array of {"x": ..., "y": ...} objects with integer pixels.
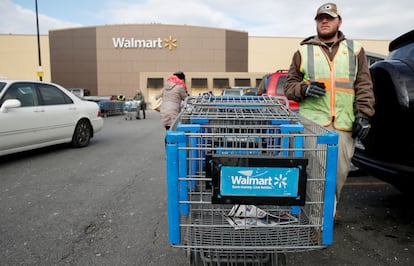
[
  {"x": 232, "y": 92},
  {"x": 280, "y": 83},
  {"x": 2, "y": 85},
  {"x": 250, "y": 91},
  {"x": 240, "y": 91},
  {"x": 405, "y": 54}
]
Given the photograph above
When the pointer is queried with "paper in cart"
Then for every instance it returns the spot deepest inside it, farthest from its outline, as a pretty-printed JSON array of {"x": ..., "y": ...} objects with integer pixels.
[
  {"x": 245, "y": 223},
  {"x": 284, "y": 218},
  {"x": 247, "y": 211},
  {"x": 246, "y": 216}
]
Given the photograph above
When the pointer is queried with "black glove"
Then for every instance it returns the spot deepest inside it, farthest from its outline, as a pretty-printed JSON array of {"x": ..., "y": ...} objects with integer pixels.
[
  {"x": 360, "y": 128},
  {"x": 315, "y": 89}
]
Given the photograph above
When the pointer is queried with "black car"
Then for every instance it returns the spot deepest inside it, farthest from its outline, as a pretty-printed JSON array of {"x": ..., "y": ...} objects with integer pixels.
[{"x": 388, "y": 151}]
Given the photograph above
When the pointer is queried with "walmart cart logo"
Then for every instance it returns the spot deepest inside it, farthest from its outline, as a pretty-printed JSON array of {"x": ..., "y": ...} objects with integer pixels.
[
  {"x": 169, "y": 43},
  {"x": 259, "y": 181},
  {"x": 281, "y": 181},
  {"x": 246, "y": 177}
]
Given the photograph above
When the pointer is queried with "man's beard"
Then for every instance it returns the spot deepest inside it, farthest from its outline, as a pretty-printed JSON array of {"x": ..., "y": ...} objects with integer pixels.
[{"x": 329, "y": 35}]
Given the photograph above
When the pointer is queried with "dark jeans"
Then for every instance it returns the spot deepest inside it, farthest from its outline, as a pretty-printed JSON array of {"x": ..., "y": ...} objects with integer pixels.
[
  {"x": 165, "y": 138},
  {"x": 141, "y": 107}
]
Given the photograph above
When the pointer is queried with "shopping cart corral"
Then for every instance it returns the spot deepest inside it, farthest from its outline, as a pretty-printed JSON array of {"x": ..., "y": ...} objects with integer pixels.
[
  {"x": 248, "y": 180},
  {"x": 110, "y": 107}
]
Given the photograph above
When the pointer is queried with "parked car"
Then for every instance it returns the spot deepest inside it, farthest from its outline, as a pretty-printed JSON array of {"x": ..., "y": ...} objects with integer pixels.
[
  {"x": 239, "y": 91},
  {"x": 272, "y": 85},
  {"x": 80, "y": 92},
  {"x": 388, "y": 151},
  {"x": 37, "y": 114}
]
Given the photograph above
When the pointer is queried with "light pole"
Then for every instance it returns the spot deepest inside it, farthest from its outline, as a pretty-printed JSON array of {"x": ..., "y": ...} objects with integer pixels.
[{"x": 39, "y": 71}]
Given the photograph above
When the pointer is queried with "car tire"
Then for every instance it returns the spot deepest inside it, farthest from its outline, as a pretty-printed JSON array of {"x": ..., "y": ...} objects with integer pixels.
[{"x": 82, "y": 134}]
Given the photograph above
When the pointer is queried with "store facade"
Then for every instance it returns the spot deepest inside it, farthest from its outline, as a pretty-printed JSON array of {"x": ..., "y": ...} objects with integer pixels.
[{"x": 118, "y": 59}]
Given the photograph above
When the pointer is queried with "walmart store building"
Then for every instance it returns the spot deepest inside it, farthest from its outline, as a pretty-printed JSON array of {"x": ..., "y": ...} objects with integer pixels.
[{"x": 118, "y": 59}]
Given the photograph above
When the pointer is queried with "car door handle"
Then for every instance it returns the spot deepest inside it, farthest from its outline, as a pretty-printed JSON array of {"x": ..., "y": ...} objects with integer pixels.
[
  {"x": 72, "y": 108},
  {"x": 39, "y": 110}
]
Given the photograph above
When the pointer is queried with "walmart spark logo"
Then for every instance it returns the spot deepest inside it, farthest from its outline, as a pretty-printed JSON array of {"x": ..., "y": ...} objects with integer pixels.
[
  {"x": 280, "y": 181},
  {"x": 170, "y": 43}
]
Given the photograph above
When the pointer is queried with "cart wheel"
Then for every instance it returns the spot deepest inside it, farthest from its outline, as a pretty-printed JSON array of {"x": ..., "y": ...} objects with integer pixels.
[
  {"x": 277, "y": 259},
  {"x": 195, "y": 258}
]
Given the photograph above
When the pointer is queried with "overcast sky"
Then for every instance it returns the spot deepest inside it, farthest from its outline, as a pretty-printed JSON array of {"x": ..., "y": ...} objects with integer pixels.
[{"x": 362, "y": 19}]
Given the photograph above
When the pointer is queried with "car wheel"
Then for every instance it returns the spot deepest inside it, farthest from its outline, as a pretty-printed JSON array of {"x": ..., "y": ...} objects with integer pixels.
[{"x": 82, "y": 134}]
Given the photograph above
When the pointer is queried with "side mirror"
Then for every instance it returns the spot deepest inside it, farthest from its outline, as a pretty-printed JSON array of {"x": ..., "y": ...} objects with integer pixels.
[{"x": 11, "y": 103}]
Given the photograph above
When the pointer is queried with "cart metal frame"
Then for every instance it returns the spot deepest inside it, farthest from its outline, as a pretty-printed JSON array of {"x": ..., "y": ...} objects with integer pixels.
[
  {"x": 211, "y": 131},
  {"x": 131, "y": 109}
]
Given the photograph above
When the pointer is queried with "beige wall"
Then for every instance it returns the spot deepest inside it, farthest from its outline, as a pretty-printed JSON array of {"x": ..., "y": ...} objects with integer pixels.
[
  {"x": 117, "y": 69},
  {"x": 268, "y": 54},
  {"x": 19, "y": 56},
  {"x": 203, "y": 53},
  {"x": 150, "y": 93},
  {"x": 265, "y": 54}
]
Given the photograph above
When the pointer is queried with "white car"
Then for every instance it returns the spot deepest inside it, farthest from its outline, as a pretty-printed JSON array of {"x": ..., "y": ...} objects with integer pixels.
[{"x": 35, "y": 114}]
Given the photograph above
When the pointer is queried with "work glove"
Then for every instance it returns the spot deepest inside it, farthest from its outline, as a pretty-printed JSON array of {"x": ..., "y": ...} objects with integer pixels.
[
  {"x": 360, "y": 128},
  {"x": 315, "y": 89}
]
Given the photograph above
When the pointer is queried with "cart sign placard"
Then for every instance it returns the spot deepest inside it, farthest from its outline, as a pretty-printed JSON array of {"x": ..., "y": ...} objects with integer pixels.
[{"x": 259, "y": 181}]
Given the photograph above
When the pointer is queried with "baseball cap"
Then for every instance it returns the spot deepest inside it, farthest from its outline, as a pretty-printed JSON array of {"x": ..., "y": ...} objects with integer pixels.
[
  {"x": 328, "y": 8},
  {"x": 180, "y": 75}
]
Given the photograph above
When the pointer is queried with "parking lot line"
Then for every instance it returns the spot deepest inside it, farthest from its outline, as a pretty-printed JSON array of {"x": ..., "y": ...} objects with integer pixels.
[{"x": 365, "y": 183}]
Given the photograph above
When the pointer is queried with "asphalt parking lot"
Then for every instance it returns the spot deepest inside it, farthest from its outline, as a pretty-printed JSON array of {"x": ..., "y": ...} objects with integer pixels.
[{"x": 106, "y": 205}]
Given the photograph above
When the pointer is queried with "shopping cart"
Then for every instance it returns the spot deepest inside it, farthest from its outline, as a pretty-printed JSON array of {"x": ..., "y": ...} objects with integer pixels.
[
  {"x": 248, "y": 180},
  {"x": 131, "y": 109}
]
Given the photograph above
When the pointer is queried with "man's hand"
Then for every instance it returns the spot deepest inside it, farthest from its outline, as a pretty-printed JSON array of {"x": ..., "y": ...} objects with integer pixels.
[
  {"x": 315, "y": 89},
  {"x": 360, "y": 128}
]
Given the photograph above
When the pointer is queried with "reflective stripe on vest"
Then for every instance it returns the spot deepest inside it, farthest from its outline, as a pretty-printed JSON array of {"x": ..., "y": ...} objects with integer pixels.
[{"x": 338, "y": 76}]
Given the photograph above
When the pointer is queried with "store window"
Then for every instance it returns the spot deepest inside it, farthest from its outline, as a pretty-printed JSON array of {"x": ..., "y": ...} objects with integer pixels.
[
  {"x": 220, "y": 83},
  {"x": 241, "y": 82},
  {"x": 258, "y": 82},
  {"x": 199, "y": 83},
  {"x": 155, "y": 83}
]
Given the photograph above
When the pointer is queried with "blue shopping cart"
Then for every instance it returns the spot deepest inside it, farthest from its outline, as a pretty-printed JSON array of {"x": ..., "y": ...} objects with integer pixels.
[{"x": 248, "y": 180}]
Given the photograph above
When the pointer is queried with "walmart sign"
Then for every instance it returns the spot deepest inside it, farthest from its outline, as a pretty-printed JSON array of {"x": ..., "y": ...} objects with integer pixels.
[
  {"x": 259, "y": 181},
  {"x": 132, "y": 43}
]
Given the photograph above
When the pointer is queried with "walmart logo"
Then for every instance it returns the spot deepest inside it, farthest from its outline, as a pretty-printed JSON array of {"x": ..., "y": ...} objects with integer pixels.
[
  {"x": 169, "y": 43},
  {"x": 249, "y": 177},
  {"x": 259, "y": 181}
]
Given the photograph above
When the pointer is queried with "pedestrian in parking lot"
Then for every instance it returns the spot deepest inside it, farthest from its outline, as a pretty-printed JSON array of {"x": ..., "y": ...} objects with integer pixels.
[
  {"x": 139, "y": 96},
  {"x": 173, "y": 93},
  {"x": 330, "y": 78},
  {"x": 120, "y": 98}
]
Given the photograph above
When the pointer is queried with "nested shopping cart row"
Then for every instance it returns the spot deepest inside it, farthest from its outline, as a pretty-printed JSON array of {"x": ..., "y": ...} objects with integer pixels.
[{"x": 247, "y": 177}]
